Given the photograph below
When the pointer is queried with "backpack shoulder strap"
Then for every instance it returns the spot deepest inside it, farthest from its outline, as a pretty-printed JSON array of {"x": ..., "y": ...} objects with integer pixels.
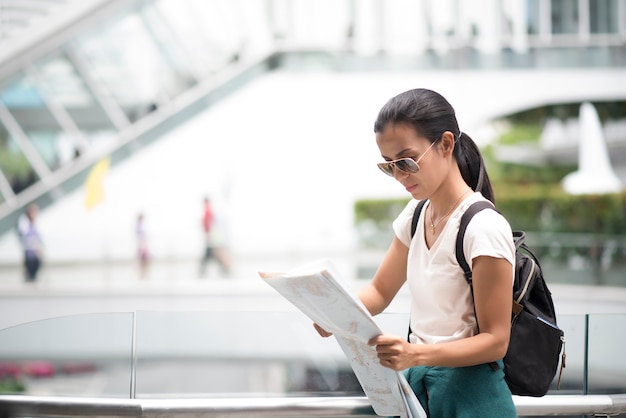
[
  {"x": 460, "y": 255},
  {"x": 465, "y": 220},
  {"x": 416, "y": 216}
]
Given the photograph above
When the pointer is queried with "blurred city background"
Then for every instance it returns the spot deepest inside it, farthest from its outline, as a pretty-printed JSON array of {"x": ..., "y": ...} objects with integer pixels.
[{"x": 156, "y": 154}]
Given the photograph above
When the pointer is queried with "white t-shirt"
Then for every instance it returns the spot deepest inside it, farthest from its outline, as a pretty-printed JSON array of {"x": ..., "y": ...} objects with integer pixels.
[{"x": 442, "y": 308}]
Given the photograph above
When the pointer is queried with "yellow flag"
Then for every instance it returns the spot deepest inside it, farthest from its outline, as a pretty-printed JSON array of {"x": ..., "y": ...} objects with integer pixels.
[{"x": 94, "y": 186}]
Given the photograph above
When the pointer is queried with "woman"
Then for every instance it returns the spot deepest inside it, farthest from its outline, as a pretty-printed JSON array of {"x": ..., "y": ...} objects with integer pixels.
[{"x": 454, "y": 335}]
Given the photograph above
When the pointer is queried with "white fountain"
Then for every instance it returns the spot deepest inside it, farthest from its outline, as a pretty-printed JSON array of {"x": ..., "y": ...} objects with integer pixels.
[{"x": 595, "y": 174}]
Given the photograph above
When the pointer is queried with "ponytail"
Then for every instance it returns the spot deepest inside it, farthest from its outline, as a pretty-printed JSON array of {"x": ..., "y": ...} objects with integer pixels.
[{"x": 472, "y": 166}]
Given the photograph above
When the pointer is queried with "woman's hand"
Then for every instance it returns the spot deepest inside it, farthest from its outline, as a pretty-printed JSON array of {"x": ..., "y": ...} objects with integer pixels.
[
  {"x": 321, "y": 331},
  {"x": 394, "y": 352}
]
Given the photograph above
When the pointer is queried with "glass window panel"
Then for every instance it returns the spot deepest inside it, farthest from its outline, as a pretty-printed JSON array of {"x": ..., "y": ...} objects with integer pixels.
[
  {"x": 80, "y": 355},
  {"x": 565, "y": 15},
  {"x": 506, "y": 18},
  {"x": 603, "y": 16},
  {"x": 607, "y": 368},
  {"x": 13, "y": 163},
  {"x": 125, "y": 58},
  {"x": 210, "y": 31},
  {"x": 25, "y": 101},
  {"x": 171, "y": 47},
  {"x": 533, "y": 24},
  {"x": 60, "y": 77},
  {"x": 325, "y": 23}
]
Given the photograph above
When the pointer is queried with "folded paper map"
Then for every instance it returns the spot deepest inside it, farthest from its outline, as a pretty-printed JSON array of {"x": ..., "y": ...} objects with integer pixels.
[{"x": 318, "y": 292}]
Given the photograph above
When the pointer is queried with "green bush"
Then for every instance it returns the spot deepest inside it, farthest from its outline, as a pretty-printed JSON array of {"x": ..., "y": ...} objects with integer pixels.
[
  {"x": 14, "y": 165},
  {"x": 538, "y": 209},
  {"x": 10, "y": 385},
  {"x": 591, "y": 214},
  {"x": 520, "y": 133},
  {"x": 378, "y": 211}
]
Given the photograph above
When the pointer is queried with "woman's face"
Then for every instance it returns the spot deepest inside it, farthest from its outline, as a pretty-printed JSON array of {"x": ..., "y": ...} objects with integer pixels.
[{"x": 399, "y": 141}]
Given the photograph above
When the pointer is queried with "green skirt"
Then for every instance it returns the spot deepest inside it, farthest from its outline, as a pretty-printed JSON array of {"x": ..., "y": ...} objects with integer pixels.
[{"x": 462, "y": 392}]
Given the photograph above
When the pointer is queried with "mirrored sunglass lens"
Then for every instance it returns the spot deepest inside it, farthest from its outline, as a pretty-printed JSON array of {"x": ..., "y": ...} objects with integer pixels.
[
  {"x": 386, "y": 168},
  {"x": 407, "y": 165}
]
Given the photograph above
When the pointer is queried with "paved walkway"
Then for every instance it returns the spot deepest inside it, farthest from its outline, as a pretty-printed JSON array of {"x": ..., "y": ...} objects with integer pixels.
[{"x": 71, "y": 289}]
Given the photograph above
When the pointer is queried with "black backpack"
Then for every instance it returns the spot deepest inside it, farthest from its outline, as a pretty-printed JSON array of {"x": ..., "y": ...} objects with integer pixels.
[{"x": 536, "y": 342}]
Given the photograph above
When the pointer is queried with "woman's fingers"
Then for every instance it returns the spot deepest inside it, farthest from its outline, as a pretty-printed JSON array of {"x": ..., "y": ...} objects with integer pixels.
[{"x": 321, "y": 331}]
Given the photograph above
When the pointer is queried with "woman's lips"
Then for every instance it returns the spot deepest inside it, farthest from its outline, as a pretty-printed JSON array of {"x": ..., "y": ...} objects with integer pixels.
[{"x": 411, "y": 188}]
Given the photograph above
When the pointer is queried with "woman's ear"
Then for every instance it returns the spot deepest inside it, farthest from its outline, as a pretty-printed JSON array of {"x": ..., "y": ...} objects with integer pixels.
[{"x": 447, "y": 142}]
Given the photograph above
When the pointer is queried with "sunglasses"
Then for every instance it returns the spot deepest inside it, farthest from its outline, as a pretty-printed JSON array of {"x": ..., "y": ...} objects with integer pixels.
[{"x": 406, "y": 165}]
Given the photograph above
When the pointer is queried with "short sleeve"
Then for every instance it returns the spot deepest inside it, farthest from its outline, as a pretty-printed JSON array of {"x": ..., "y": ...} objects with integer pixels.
[
  {"x": 489, "y": 234},
  {"x": 402, "y": 224}
]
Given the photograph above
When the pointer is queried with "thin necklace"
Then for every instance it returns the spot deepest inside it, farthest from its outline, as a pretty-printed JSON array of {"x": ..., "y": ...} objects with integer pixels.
[{"x": 434, "y": 225}]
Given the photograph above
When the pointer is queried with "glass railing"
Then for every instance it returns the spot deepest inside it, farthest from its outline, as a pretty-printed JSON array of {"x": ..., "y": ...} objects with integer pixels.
[
  {"x": 148, "y": 355},
  {"x": 78, "y": 355}
]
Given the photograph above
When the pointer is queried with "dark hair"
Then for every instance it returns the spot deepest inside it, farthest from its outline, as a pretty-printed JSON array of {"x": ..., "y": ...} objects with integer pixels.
[{"x": 430, "y": 114}]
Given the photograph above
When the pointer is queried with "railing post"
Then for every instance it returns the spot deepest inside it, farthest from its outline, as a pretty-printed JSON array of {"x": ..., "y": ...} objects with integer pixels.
[
  {"x": 133, "y": 359},
  {"x": 586, "y": 358}
]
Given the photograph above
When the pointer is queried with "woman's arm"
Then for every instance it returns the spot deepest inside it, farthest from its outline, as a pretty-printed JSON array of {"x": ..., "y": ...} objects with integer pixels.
[
  {"x": 493, "y": 289},
  {"x": 389, "y": 278},
  {"x": 493, "y": 299}
]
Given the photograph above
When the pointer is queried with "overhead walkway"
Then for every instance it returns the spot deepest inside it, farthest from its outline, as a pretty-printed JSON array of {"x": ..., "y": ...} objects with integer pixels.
[
  {"x": 67, "y": 101},
  {"x": 49, "y": 184}
]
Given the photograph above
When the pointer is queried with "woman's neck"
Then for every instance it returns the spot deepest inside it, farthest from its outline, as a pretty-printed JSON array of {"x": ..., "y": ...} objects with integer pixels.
[{"x": 443, "y": 204}]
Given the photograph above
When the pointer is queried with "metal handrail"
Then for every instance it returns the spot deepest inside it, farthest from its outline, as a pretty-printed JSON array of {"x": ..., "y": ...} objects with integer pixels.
[{"x": 357, "y": 406}]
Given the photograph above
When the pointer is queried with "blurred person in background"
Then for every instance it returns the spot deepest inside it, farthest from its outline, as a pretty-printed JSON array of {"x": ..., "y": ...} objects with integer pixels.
[
  {"x": 214, "y": 248},
  {"x": 143, "y": 254},
  {"x": 31, "y": 242}
]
